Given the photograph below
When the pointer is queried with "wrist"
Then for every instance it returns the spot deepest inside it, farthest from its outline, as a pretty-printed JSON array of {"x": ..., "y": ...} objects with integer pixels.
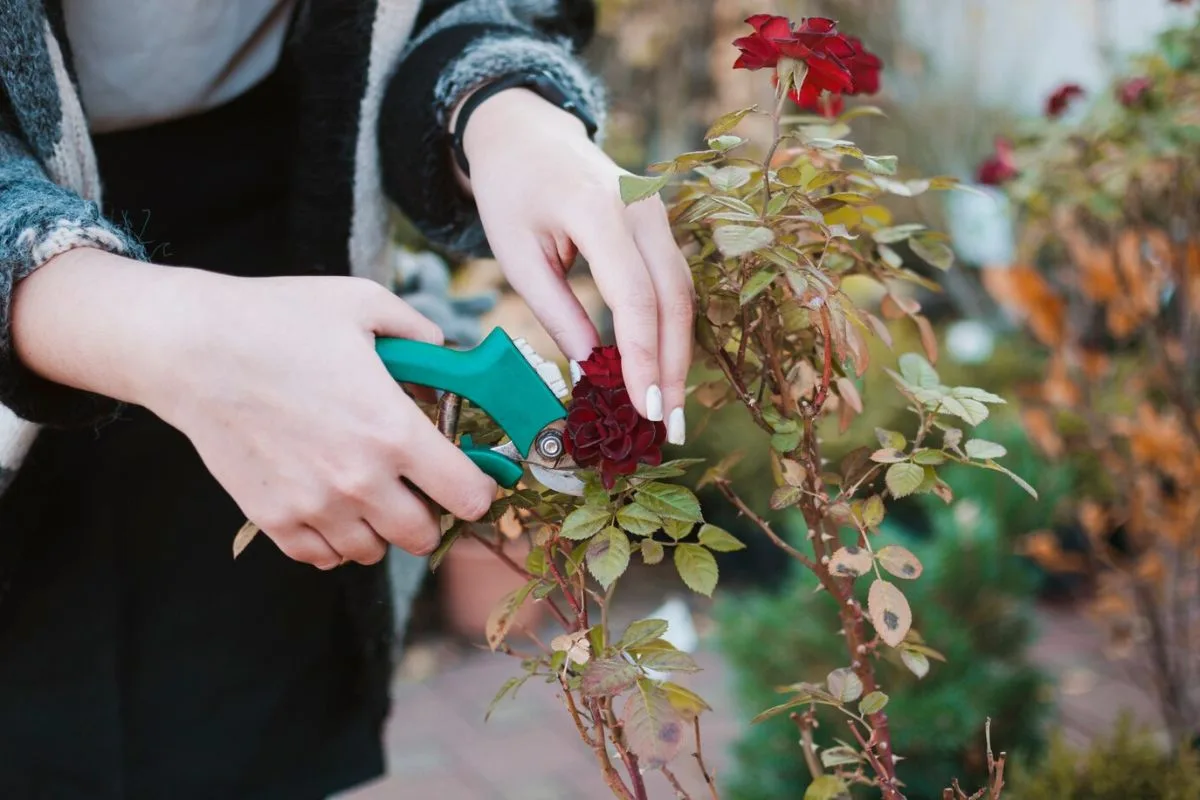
[{"x": 509, "y": 114}]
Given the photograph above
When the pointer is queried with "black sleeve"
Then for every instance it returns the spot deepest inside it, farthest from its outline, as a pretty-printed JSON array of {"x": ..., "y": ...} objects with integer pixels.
[{"x": 461, "y": 45}]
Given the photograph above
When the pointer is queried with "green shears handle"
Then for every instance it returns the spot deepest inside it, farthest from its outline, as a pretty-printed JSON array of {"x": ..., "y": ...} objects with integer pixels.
[{"x": 494, "y": 376}]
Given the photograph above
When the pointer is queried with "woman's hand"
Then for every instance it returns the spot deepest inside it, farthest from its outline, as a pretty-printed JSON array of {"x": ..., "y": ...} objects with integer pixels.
[
  {"x": 546, "y": 192},
  {"x": 276, "y": 383}
]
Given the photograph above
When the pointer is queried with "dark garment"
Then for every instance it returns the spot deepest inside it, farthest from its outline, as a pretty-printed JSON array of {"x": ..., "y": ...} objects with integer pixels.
[{"x": 137, "y": 658}]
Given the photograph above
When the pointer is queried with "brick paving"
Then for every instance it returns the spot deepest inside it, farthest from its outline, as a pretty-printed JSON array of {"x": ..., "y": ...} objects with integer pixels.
[{"x": 440, "y": 748}]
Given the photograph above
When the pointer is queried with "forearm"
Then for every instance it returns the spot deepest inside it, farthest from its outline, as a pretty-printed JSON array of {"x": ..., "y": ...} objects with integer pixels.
[{"x": 95, "y": 321}]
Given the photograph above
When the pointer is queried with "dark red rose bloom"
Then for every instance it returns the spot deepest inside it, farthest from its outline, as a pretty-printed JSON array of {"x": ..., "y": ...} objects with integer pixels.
[
  {"x": 1062, "y": 98},
  {"x": 864, "y": 70},
  {"x": 1000, "y": 167},
  {"x": 759, "y": 49},
  {"x": 1132, "y": 91},
  {"x": 604, "y": 430}
]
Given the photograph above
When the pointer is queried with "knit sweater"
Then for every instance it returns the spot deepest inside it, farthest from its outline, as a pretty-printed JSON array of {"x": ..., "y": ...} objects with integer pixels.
[{"x": 376, "y": 82}]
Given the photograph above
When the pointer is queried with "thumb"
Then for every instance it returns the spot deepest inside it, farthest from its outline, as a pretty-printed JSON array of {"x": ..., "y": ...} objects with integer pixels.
[{"x": 391, "y": 317}]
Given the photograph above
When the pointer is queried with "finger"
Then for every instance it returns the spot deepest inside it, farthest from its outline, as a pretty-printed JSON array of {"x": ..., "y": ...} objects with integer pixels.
[
  {"x": 305, "y": 545},
  {"x": 445, "y": 474},
  {"x": 542, "y": 284},
  {"x": 606, "y": 241},
  {"x": 673, "y": 287},
  {"x": 389, "y": 316},
  {"x": 405, "y": 520},
  {"x": 354, "y": 540}
]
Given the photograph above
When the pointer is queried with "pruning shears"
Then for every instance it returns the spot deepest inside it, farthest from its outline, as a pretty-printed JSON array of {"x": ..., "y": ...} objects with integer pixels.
[{"x": 517, "y": 388}]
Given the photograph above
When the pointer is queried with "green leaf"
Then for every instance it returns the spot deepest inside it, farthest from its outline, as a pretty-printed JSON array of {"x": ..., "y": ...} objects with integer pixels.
[
  {"x": 697, "y": 567},
  {"x": 933, "y": 252},
  {"x": 608, "y": 677},
  {"x": 652, "y": 552},
  {"x": 724, "y": 144},
  {"x": 971, "y": 411},
  {"x": 727, "y": 122},
  {"x": 1017, "y": 479},
  {"x": 754, "y": 287},
  {"x": 685, "y": 701},
  {"x": 983, "y": 449},
  {"x": 979, "y": 395},
  {"x": 535, "y": 562},
  {"x": 785, "y": 497},
  {"x": 826, "y": 787},
  {"x": 670, "y": 501},
  {"x": 786, "y": 442},
  {"x": 510, "y": 687},
  {"x": 903, "y": 479},
  {"x": 677, "y": 529},
  {"x": 775, "y": 711},
  {"x": 641, "y": 631},
  {"x": 738, "y": 240},
  {"x": 668, "y": 661},
  {"x": 889, "y": 612},
  {"x": 899, "y": 561},
  {"x": 639, "y": 187},
  {"x": 891, "y": 440},
  {"x": 652, "y": 726},
  {"x": 929, "y": 457},
  {"x": 638, "y": 520},
  {"x": 448, "y": 540},
  {"x": 881, "y": 165},
  {"x": 584, "y": 522},
  {"x": 719, "y": 539},
  {"x": 837, "y": 756},
  {"x": 608, "y": 556},
  {"x": 873, "y": 703},
  {"x": 917, "y": 371},
  {"x": 727, "y": 179},
  {"x": 897, "y": 233},
  {"x": 668, "y": 469},
  {"x": 917, "y": 663},
  {"x": 844, "y": 685}
]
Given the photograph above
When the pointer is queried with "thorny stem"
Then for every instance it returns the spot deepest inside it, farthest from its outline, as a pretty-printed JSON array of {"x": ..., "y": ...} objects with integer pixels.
[
  {"x": 618, "y": 739},
  {"x": 886, "y": 778},
  {"x": 498, "y": 550},
  {"x": 699, "y": 756},
  {"x": 562, "y": 585},
  {"x": 827, "y": 367},
  {"x": 611, "y": 776},
  {"x": 680, "y": 792},
  {"x": 763, "y": 525},
  {"x": 776, "y": 117},
  {"x": 805, "y": 722}
]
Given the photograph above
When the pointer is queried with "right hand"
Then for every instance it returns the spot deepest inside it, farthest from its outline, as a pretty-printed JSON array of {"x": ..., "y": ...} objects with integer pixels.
[{"x": 277, "y": 384}]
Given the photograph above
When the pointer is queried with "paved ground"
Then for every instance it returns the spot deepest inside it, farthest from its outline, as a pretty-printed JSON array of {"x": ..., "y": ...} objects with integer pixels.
[{"x": 439, "y": 746}]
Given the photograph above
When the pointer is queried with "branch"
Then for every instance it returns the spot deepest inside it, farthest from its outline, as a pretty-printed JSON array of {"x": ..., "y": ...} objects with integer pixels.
[
  {"x": 805, "y": 723},
  {"x": 886, "y": 785},
  {"x": 763, "y": 525},
  {"x": 680, "y": 792},
  {"x": 699, "y": 756},
  {"x": 827, "y": 368},
  {"x": 627, "y": 758},
  {"x": 498, "y": 551}
]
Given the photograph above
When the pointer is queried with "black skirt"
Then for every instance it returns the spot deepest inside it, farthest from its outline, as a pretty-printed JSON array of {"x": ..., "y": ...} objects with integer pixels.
[{"x": 137, "y": 658}]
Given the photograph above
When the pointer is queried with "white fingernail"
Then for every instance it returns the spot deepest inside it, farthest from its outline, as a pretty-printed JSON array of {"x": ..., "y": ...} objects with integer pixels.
[
  {"x": 576, "y": 372},
  {"x": 676, "y": 427},
  {"x": 654, "y": 404}
]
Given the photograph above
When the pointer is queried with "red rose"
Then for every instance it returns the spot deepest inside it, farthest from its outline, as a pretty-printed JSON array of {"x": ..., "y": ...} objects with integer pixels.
[
  {"x": 1061, "y": 99},
  {"x": 1133, "y": 91},
  {"x": 1000, "y": 167},
  {"x": 864, "y": 69},
  {"x": 759, "y": 49},
  {"x": 604, "y": 430}
]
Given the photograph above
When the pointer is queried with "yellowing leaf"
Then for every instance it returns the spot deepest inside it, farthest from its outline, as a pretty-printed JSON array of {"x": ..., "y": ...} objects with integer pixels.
[
  {"x": 889, "y": 612},
  {"x": 899, "y": 561},
  {"x": 917, "y": 663},
  {"x": 608, "y": 556},
  {"x": 585, "y": 522},
  {"x": 872, "y": 513},
  {"x": 504, "y": 613},
  {"x": 652, "y": 726},
  {"x": 685, "y": 701},
  {"x": 903, "y": 479},
  {"x": 697, "y": 568},
  {"x": 826, "y": 787},
  {"x": 891, "y": 440},
  {"x": 719, "y": 540},
  {"x": 844, "y": 685},
  {"x": 652, "y": 552},
  {"x": 850, "y": 562},
  {"x": 727, "y": 122},
  {"x": 873, "y": 703},
  {"x": 785, "y": 497}
]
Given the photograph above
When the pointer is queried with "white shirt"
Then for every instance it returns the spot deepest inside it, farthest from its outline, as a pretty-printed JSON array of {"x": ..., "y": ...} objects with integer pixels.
[{"x": 144, "y": 61}]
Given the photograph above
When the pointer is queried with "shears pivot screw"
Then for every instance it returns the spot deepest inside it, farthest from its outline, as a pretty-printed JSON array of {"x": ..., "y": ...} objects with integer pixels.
[{"x": 549, "y": 444}]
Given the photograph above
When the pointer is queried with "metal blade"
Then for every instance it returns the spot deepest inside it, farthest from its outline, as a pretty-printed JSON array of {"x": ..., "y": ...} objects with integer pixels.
[
  {"x": 548, "y": 371},
  {"x": 561, "y": 482}
]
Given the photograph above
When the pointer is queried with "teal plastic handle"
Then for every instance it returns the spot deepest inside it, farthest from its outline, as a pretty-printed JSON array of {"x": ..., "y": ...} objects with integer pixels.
[
  {"x": 494, "y": 376},
  {"x": 503, "y": 470}
]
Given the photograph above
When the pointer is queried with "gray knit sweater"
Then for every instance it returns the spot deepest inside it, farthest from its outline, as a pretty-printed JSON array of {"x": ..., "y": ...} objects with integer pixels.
[{"x": 364, "y": 66}]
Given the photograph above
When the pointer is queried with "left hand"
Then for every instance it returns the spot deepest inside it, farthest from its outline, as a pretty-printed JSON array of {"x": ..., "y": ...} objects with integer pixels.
[{"x": 546, "y": 193}]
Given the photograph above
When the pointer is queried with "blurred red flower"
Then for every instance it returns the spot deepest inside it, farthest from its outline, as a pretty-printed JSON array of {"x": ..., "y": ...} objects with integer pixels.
[
  {"x": 1061, "y": 99},
  {"x": 604, "y": 430},
  {"x": 864, "y": 69},
  {"x": 1000, "y": 167},
  {"x": 1132, "y": 91}
]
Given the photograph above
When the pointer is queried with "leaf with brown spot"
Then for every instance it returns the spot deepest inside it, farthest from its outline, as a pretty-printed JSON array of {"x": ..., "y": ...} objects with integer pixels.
[
  {"x": 652, "y": 726},
  {"x": 899, "y": 561},
  {"x": 504, "y": 613},
  {"x": 850, "y": 562},
  {"x": 889, "y": 612}
]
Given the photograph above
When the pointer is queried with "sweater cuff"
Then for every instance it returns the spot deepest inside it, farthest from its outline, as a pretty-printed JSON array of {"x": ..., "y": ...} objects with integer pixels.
[
  {"x": 23, "y": 392},
  {"x": 415, "y": 143}
]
